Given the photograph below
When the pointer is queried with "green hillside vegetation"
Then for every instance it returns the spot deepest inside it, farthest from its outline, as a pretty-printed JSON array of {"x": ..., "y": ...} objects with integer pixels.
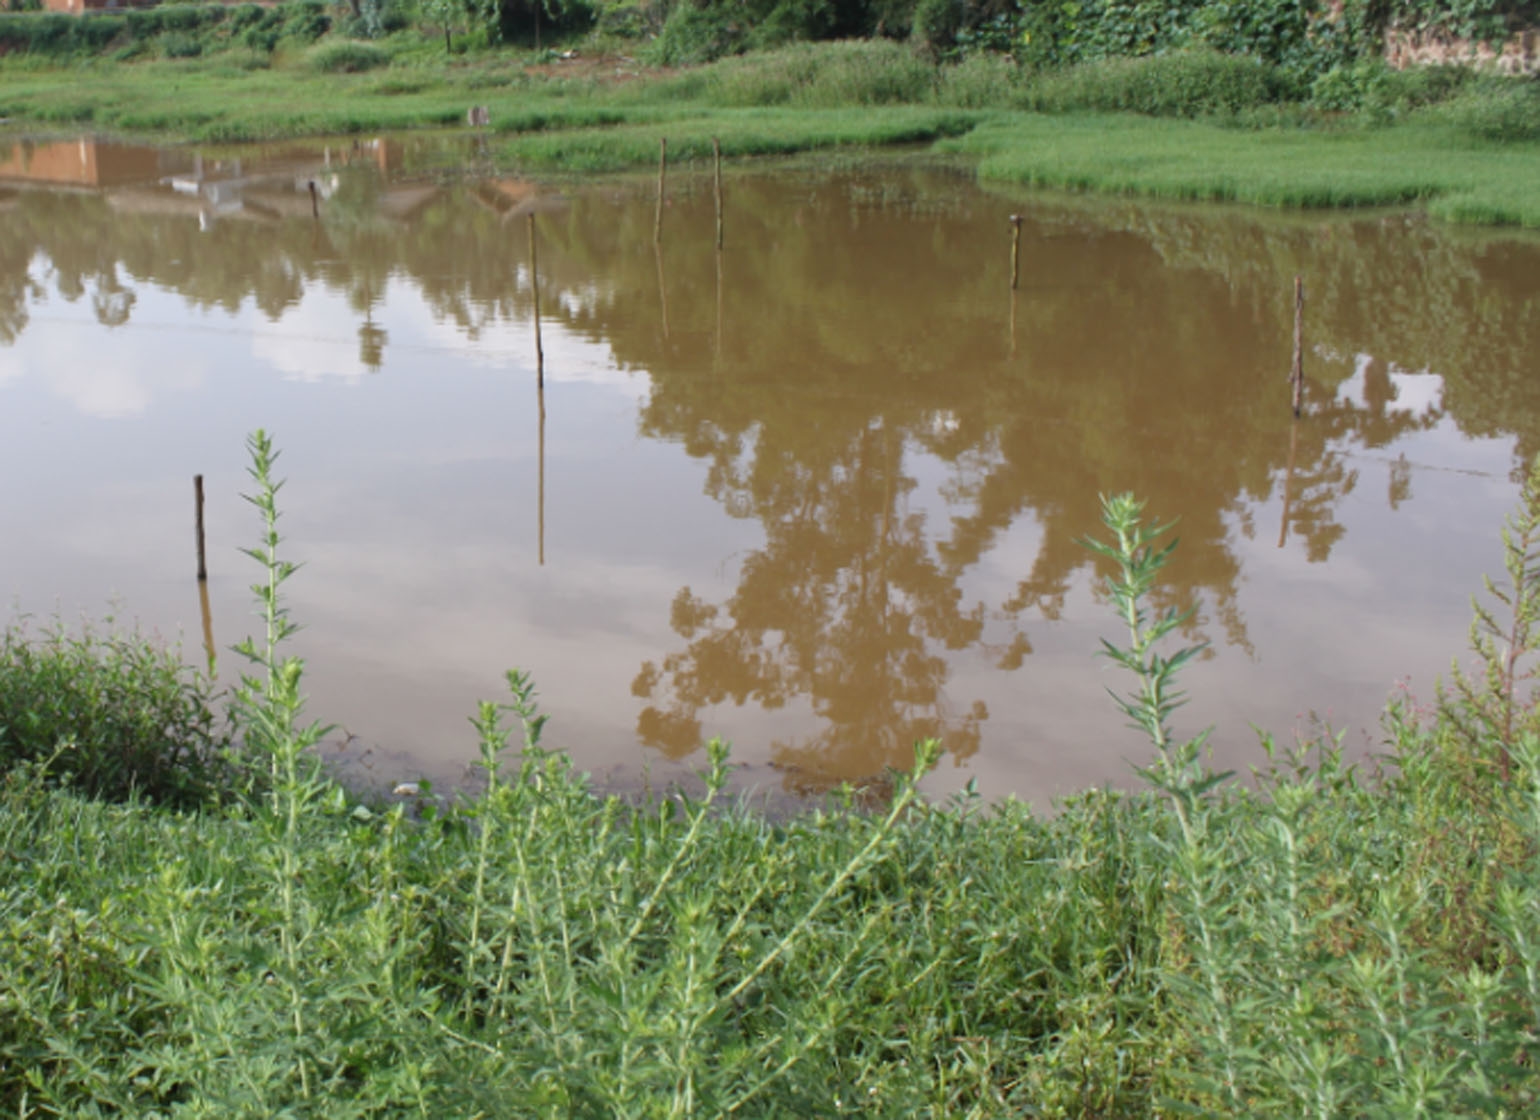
[{"x": 1326, "y": 941}]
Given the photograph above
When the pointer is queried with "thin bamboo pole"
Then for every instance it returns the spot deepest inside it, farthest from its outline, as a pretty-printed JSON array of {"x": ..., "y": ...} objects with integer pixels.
[
  {"x": 1297, "y": 374},
  {"x": 1015, "y": 250},
  {"x": 716, "y": 163},
  {"x": 657, "y": 222},
  {"x": 534, "y": 282},
  {"x": 203, "y": 569}
]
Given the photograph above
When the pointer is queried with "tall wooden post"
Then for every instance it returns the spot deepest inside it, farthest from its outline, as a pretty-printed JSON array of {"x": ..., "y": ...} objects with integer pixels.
[
  {"x": 657, "y": 224},
  {"x": 716, "y": 162},
  {"x": 1015, "y": 250},
  {"x": 203, "y": 570},
  {"x": 534, "y": 283},
  {"x": 315, "y": 201},
  {"x": 1297, "y": 374}
]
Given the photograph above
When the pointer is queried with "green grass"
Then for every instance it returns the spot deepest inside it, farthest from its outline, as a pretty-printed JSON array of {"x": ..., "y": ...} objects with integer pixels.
[
  {"x": 741, "y": 132},
  {"x": 1324, "y": 943},
  {"x": 1453, "y": 175}
]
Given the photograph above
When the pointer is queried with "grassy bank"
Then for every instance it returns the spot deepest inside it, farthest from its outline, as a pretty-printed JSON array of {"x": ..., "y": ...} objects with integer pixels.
[
  {"x": 1453, "y": 175},
  {"x": 1326, "y": 943},
  {"x": 1466, "y": 148}
]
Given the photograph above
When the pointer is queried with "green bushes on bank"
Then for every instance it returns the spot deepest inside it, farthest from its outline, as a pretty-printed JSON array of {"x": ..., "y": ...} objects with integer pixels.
[
  {"x": 346, "y": 57},
  {"x": 1183, "y": 84},
  {"x": 1502, "y": 111},
  {"x": 179, "y": 30},
  {"x": 110, "y": 714}
]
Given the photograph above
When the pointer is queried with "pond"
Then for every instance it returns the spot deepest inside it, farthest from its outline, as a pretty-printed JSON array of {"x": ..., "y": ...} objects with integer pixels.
[{"x": 818, "y": 494}]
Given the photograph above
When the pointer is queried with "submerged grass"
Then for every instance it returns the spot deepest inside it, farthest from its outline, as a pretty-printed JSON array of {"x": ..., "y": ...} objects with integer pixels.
[{"x": 1325, "y": 943}]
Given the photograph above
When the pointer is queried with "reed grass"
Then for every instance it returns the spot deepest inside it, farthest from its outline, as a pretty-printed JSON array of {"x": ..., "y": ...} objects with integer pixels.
[{"x": 1320, "y": 942}]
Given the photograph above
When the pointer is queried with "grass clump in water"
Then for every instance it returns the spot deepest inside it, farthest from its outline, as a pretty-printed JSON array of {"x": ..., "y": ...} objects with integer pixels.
[{"x": 1326, "y": 943}]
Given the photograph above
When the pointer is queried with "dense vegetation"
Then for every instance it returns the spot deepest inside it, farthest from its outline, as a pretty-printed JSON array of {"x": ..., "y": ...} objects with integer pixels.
[{"x": 1327, "y": 942}]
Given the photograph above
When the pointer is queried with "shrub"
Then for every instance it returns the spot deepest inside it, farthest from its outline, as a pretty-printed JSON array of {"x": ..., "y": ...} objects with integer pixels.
[
  {"x": 177, "y": 44},
  {"x": 244, "y": 15},
  {"x": 1373, "y": 88},
  {"x": 693, "y": 35},
  {"x": 347, "y": 56},
  {"x": 867, "y": 73},
  {"x": 304, "y": 21},
  {"x": 1508, "y": 109},
  {"x": 936, "y": 23},
  {"x": 1183, "y": 84},
  {"x": 112, "y": 715},
  {"x": 984, "y": 81},
  {"x": 823, "y": 75}
]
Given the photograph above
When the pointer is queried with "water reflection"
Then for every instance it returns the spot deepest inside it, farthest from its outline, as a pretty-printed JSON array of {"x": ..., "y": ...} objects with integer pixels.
[{"x": 897, "y": 456}]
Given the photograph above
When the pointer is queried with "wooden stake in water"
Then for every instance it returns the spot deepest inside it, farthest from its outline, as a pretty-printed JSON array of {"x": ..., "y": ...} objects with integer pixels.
[
  {"x": 657, "y": 224},
  {"x": 1297, "y": 375},
  {"x": 203, "y": 570},
  {"x": 534, "y": 283},
  {"x": 315, "y": 201},
  {"x": 716, "y": 163},
  {"x": 1015, "y": 250}
]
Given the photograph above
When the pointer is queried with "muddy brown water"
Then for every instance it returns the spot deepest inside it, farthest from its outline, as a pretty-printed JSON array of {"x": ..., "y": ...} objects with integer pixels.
[{"x": 819, "y": 495}]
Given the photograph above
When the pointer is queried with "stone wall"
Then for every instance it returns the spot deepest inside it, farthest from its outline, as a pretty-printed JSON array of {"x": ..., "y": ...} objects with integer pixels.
[{"x": 1519, "y": 54}]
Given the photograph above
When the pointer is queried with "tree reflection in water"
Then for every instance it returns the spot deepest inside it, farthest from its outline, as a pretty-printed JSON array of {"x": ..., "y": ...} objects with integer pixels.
[{"x": 852, "y": 341}]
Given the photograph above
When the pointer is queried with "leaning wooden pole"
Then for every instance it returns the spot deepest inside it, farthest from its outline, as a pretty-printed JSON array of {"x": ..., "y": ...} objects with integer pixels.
[
  {"x": 1297, "y": 374},
  {"x": 534, "y": 283},
  {"x": 716, "y": 163},
  {"x": 657, "y": 222},
  {"x": 1015, "y": 250}
]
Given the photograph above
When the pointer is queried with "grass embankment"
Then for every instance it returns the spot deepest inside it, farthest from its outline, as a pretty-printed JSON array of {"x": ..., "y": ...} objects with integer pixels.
[
  {"x": 1326, "y": 944},
  {"x": 1467, "y": 148},
  {"x": 1454, "y": 176}
]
